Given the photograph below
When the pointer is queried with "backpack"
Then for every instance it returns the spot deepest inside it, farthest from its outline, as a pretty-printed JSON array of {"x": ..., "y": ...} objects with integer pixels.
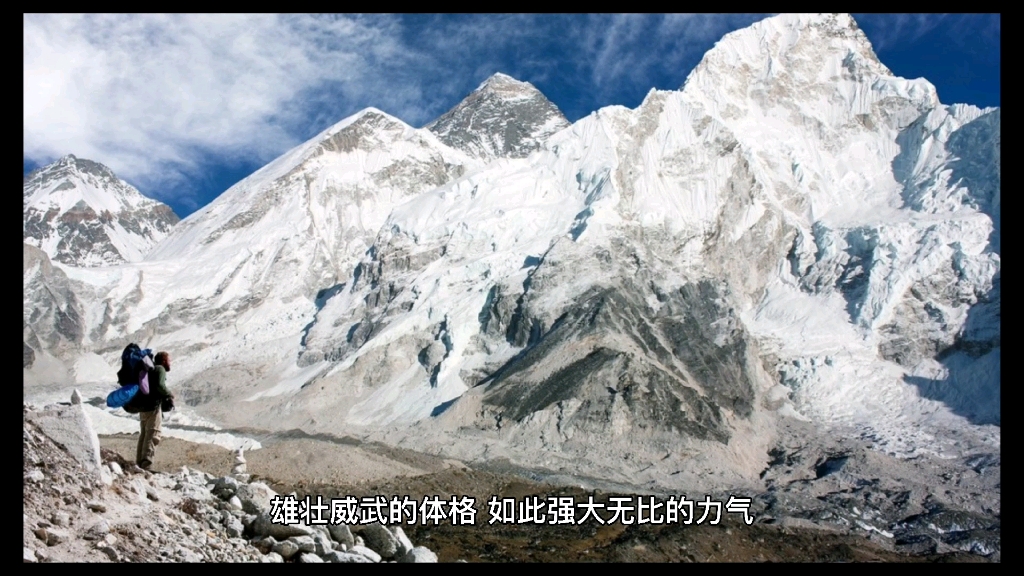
[
  {"x": 132, "y": 361},
  {"x": 133, "y": 377}
]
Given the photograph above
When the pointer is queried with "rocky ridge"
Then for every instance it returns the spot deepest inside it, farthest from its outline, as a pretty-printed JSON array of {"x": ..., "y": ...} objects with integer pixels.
[{"x": 84, "y": 504}]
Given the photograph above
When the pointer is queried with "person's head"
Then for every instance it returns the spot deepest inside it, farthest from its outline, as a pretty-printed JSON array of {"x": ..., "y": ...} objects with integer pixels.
[{"x": 163, "y": 359}]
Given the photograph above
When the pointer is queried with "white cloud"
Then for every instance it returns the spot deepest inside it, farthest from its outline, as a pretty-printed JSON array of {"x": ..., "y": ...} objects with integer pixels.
[
  {"x": 159, "y": 98},
  {"x": 888, "y": 30},
  {"x": 149, "y": 93}
]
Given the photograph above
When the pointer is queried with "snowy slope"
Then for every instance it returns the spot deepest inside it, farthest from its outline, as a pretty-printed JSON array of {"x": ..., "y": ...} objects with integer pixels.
[{"x": 80, "y": 213}]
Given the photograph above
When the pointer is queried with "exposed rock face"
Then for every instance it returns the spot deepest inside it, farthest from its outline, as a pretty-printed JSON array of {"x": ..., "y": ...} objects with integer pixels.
[
  {"x": 502, "y": 118},
  {"x": 81, "y": 214},
  {"x": 53, "y": 319}
]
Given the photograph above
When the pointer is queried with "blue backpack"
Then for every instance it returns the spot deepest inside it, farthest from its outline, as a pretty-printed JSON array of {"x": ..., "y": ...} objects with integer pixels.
[{"x": 133, "y": 366}]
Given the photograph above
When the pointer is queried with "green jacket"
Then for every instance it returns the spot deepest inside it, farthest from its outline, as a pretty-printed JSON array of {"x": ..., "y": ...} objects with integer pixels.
[
  {"x": 157, "y": 391},
  {"x": 158, "y": 383}
]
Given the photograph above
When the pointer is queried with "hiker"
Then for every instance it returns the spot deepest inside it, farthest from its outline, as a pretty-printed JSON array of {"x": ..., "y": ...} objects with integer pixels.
[{"x": 160, "y": 399}]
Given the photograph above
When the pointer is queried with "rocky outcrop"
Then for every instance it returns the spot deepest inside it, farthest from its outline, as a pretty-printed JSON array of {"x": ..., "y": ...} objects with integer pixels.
[{"x": 83, "y": 504}]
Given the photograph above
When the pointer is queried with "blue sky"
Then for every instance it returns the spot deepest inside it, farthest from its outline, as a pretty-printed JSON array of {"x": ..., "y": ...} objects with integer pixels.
[{"x": 184, "y": 106}]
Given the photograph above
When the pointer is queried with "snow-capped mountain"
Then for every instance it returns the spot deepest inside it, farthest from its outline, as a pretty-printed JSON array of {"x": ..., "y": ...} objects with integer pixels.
[
  {"x": 81, "y": 214},
  {"x": 502, "y": 118},
  {"x": 650, "y": 296}
]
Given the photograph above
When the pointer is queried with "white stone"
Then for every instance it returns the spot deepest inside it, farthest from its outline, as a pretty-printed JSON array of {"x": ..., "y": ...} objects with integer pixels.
[
  {"x": 419, "y": 555},
  {"x": 363, "y": 550}
]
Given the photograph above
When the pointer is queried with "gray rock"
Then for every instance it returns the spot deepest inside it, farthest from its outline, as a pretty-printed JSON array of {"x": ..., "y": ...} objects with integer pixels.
[
  {"x": 97, "y": 531},
  {"x": 226, "y": 482},
  {"x": 265, "y": 544},
  {"x": 419, "y": 555},
  {"x": 247, "y": 521},
  {"x": 363, "y": 550},
  {"x": 381, "y": 540},
  {"x": 310, "y": 558},
  {"x": 109, "y": 551},
  {"x": 235, "y": 503},
  {"x": 322, "y": 543},
  {"x": 342, "y": 534},
  {"x": 60, "y": 519},
  {"x": 71, "y": 427},
  {"x": 272, "y": 558},
  {"x": 115, "y": 468},
  {"x": 51, "y": 536},
  {"x": 262, "y": 526},
  {"x": 30, "y": 555},
  {"x": 338, "y": 557},
  {"x": 35, "y": 476},
  {"x": 286, "y": 549},
  {"x": 76, "y": 397},
  {"x": 305, "y": 543},
  {"x": 234, "y": 527},
  {"x": 96, "y": 506},
  {"x": 404, "y": 544},
  {"x": 139, "y": 487},
  {"x": 255, "y": 497}
]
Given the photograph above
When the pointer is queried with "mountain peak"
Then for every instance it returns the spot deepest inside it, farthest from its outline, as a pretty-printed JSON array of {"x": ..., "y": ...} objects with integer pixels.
[
  {"x": 502, "y": 118},
  {"x": 81, "y": 214},
  {"x": 499, "y": 79},
  {"x": 797, "y": 57}
]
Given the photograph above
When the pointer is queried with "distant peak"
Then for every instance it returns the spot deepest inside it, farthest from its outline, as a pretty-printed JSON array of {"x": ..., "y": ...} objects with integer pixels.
[
  {"x": 786, "y": 42},
  {"x": 500, "y": 80}
]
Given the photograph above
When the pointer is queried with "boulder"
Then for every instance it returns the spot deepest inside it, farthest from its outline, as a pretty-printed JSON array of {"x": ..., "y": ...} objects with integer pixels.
[
  {"x": 71, "y": 427},
  {"x": 338, "y": 557},
  {"x": 262, "y": 526},
  {"x": 381, "y": 540},
  {"x": 265, "y": 544},
  {"x": 255, "y": 497},
  {"x": 272, "y": 558},
  {"x": 363, "y": 550},
  {"x": 305, "y": 543},
  {"x": 286, "y": 549},
  {"x": 404, "y": 544},
  {"x": 322, "y": 543},
  {"x": 342, "y": 534},
  {"x": 419, "y": 555}
]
